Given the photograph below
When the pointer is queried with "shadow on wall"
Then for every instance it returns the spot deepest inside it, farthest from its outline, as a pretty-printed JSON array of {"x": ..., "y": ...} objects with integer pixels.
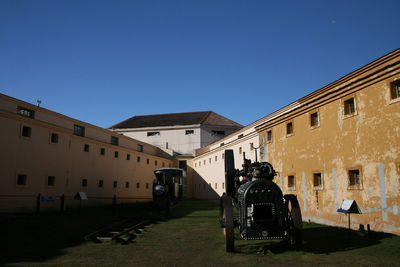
[
  {"x": 44, "y": 203},
  {"x": 200, "y": 188}
]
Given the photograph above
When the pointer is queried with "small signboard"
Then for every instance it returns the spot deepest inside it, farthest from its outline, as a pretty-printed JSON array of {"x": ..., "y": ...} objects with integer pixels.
[
  {"x": 81, "y": 196},
  {"x": 349, "y": 206}
]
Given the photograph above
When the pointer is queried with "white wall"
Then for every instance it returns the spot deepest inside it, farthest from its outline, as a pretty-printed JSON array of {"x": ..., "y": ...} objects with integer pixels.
[
  {"x": 175, "y": 137},
  {"x": 207, "y": 171}
]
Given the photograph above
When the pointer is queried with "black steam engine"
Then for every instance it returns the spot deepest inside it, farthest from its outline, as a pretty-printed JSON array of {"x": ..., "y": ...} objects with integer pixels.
[
  {"x": 168, "y": 187},
  {"x": 264, "y": 212}
]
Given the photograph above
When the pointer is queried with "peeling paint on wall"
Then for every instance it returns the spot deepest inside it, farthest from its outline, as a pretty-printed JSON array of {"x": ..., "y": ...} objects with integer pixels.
[
  {"x": 334, "y": 189},
  {"x": 383, "y": 192},
  {"x": 304, "y": 192}
]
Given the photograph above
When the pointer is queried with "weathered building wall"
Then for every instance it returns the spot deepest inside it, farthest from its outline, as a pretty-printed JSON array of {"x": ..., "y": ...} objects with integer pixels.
[
  {"x": 66, "y": 160},
  {"x": 367, "y": 140},
  {"x": 340, "y": 143}
]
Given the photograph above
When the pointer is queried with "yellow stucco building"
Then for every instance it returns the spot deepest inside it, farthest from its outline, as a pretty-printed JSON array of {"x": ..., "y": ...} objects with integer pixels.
[
  {"x": 340, "y": 142},
  {"x": 44, "y": 152}
]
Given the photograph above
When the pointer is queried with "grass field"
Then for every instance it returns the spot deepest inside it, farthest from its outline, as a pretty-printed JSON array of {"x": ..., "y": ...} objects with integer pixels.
[{"x": 191, "y": 235}]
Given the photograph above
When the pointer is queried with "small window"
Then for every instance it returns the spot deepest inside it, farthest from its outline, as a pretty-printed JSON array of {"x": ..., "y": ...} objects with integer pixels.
[
  {"x": 54, "y": 138},
  {"x": 138, "y": 185},
  {"x": 269, "y": 136},
  {"x": 25, "y": 112},
  {"x": 116, "y": 154},
  {"x": 395, "y": 89},
  {"x": 289, "y": 128},
  {"x": 102, "y": 151},
  {"x": 317, "y": 180},
  {"x": 291, "y": 182},
  {"x": 314, "y": 122},
  {"x": 86, "y": 148},
  {"x": 199, "y": 163},
  {"x": 204, "y": 162},
  {"x": 240, "y": 136},
  {"x": 240, "y": 150},
  {"x": 209, "y": 160},
  {"x": 138, "y": 159},
  {"x": 114, "y": 140},
  {"x": 155, "y": 162},
  {"x": 187, "y": 132},
  {"x": 148, "y": 161},
  {"x": 51, "y": 181},
  {"x": 216, "y": 185},
  {"x": 115, "y": 184},
  {"x": 223, "y": 155},
  {"x": 147, "y": 185},
  {"x": 126, "y": 184},
  {"x": 21, "y": 179},
  {"x": 153, "y": 133},
  {"x": 216, "y": 158},
  {"x": 354, "y": 178},
  {"x": 223, "y": 185},
  {"x": 101, "y": 183},
  {"x": 251, "y": 146},
  {"x": 217, "y": 133},
  {"x": 26, "y": 131},
  {"x": 195, "y": 164},
  {"x": 163, "y": 164},
  {"x": 79, "y": 130},
  {"x": 349, "y": 106},
  {"x": 139, "y": 148},
  {"x": 128, "y": 157},
  {"x": 84, "y": 182},
  {"x": 222, "y": 144}
]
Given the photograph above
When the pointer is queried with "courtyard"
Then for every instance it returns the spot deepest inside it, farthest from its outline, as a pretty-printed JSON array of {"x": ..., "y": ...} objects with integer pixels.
[{"x": 190, "y": 235}]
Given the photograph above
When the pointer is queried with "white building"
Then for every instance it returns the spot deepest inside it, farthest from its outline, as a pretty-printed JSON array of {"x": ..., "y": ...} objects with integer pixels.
[{"x": 180, "y": 133}]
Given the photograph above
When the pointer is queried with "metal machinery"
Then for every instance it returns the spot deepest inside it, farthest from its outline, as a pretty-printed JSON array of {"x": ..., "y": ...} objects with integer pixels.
[
  {"x": 264, "y": 212},
  {"x": 168, "y": 186}
]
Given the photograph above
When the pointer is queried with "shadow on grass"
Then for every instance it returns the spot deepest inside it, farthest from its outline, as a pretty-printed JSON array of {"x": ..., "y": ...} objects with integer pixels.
[
  {"x": 39, "y": 237},
  {"x": 318, "y": 239},
  {"x": 321, "y": 239}
]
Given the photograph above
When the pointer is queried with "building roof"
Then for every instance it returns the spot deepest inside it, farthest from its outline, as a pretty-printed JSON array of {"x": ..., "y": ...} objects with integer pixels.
[{"x": 173, "y": 119}]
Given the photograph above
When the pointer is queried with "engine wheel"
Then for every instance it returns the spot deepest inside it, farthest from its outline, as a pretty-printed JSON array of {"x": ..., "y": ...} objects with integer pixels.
[
  {"x": 229, "y": 173},
  {"x": 227, "y": 216},
  {"x": 294, "y": 222}
]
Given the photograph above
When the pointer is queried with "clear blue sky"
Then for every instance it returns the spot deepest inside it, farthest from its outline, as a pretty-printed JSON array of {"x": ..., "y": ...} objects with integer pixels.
[{"x": 105, "y": 61}]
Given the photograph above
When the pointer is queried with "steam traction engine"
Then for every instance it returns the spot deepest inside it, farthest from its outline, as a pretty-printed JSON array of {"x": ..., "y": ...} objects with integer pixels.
[
  {"x": 264, "y": 212},
  {"x": 168, "y": 187}
]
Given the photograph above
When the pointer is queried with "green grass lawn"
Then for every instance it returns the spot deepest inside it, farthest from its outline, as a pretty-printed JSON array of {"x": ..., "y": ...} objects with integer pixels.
[{"x": 191, "y": 235}]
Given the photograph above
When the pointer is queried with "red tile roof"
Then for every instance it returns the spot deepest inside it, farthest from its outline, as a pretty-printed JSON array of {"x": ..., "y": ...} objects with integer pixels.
[{"x": 172, "y": 119}]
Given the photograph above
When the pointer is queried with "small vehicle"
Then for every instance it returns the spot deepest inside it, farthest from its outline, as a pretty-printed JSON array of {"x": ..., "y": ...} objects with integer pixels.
[
  {"x": 264, "y": 212},
  {"x": 168, "y": 187}
]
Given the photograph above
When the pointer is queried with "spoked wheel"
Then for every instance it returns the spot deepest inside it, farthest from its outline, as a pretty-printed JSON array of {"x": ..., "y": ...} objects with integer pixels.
[
  {"x": 227, "y": 221},
  {"x": 294, "y": 222}
]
